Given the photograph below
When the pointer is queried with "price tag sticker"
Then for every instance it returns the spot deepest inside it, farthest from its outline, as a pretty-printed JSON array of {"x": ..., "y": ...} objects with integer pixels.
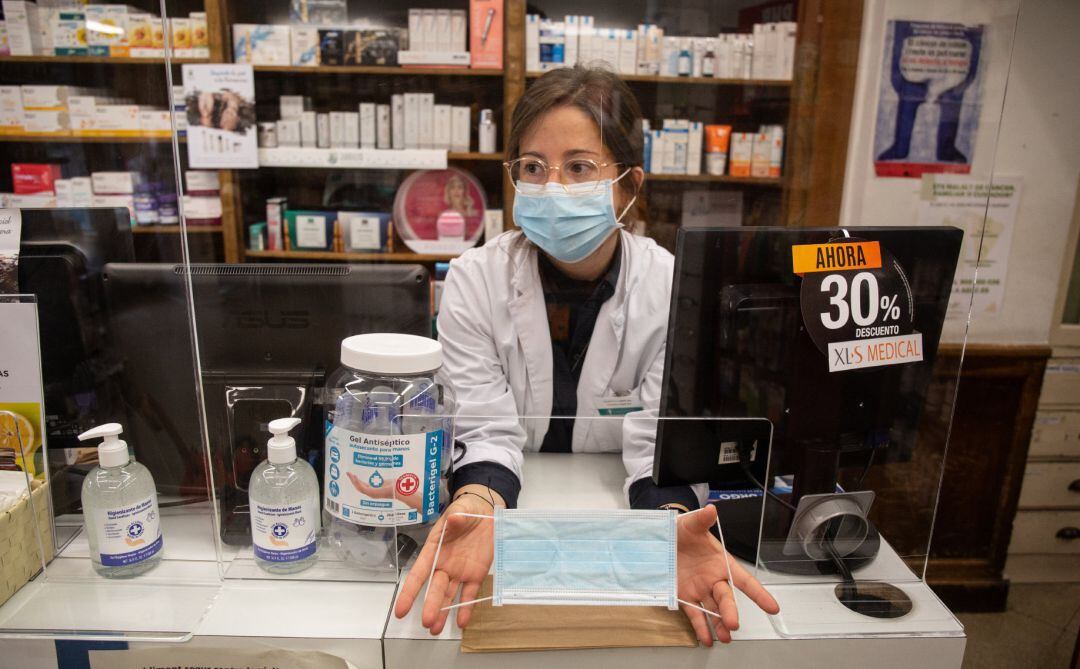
[{"x": 857, "y": 304}]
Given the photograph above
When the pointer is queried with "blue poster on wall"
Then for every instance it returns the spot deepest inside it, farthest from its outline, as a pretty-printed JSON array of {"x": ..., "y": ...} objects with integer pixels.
[{"x": 929, "y": 99}]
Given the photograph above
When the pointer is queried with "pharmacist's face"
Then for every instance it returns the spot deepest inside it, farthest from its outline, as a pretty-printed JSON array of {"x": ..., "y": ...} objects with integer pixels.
[{"x": 564, "y": 134}]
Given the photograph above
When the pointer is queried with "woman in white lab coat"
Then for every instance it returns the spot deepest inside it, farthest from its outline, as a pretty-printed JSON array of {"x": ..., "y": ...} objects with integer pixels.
[{"x": 565, "y": 318}]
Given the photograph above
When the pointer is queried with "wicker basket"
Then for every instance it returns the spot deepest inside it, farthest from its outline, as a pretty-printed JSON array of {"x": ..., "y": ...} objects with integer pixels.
[{"x": 19, "y": 556}]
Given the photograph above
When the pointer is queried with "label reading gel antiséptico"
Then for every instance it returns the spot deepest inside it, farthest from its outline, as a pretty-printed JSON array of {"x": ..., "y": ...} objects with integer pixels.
[
  {"x": 284, "y": 532},
  {"x": 131, "y": 533},
  {"x": 374, "y": 479}
]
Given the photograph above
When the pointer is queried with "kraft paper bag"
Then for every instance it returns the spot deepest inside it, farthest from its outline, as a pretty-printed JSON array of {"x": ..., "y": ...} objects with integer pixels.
[{"x": 522, "y": 627}]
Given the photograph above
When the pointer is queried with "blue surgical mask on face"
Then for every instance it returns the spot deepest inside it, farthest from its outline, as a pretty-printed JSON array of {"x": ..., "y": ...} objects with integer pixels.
[
  {"x": 585, "y": 557},
  {"x": 568, "y": 223}
]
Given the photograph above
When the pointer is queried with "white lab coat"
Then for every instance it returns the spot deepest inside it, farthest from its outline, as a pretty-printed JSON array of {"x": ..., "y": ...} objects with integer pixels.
[{"x": 496, "y": 342}]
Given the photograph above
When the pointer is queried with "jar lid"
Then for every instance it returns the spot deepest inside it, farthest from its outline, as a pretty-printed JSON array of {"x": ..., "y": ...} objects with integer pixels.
[{"x": 391, "y": 353}]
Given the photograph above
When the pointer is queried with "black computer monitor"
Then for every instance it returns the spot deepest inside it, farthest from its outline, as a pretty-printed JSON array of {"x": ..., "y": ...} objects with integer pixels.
[
  {"x": 738, "y": 348},
  {"x": 267, "y": 334},
  {"x": 62, "y": 253}
]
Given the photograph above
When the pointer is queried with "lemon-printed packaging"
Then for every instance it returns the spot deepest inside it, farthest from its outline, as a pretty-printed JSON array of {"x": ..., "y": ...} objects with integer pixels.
[
  {"x": 69, "y": 33},
  {"x": 200, "y": 35},
  {"x": 181, "y": 37},
  {"x": 106, "y": 30},
  {"x": 140, "y": 31}
]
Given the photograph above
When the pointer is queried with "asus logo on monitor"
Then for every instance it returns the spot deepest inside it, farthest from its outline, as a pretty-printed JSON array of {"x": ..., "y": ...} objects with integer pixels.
[{"x": 257, "y": 319}]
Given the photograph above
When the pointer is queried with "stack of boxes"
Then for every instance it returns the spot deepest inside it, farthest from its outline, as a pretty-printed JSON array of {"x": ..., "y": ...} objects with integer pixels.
[
  {"x": 768, "y": 53},
  {"x": 63, "y": 111},
  {"x": 410, "y": 121},
  {"x": 434, "y": 37},
  {"x": 113, "y": 30},
  {"x": 680, "y": 146}
]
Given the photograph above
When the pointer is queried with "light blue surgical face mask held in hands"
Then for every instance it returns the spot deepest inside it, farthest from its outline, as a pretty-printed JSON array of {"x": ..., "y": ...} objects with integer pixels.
[
  {"x": 601, "y": 558},
  {"x": 568, "y": 222},
  {"x": 585, "y": 557}
]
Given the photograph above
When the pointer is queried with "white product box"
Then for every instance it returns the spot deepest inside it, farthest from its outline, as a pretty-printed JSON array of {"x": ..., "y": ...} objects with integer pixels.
[
  {"x": 609, "y": 51},
  {"x": 742, "y": 152},
  {"x": 441, "y": 127},
  {"x": 11, "y": 110},
  {"x": 308, "y": 133},
  {"x": 106, "y": 33},
  {"x": 745, "y": 48},
  {"x": 64, "y": 195},
  {"x": 202, "y": 207},
  {"x": 572, "y": 36},
  {"x": 353, "y": 130},
  {"x": 311, "y": 232},
  {"x": 656, "y": 154},
  {"x": 412, "y": 120},
  {"x": 443, "y": 36},
  {"x": 416, "y": 30},
  {"x": 155, "y": 122},
  {"x": 642, "y": 45},
  {"x": 180, "y": 36},
  {"x": 69, "y": 32},
  {"x": 200, "y": 35},
  {"x": 337, "y": 130},
  {"x": 669, "y": 59},
  {"x": 46, "y": 122},
  {"x": 21, "y": 21},
  {"x": 397, "y": 121},
  {"x": 116, "y": 119},
  {"x": 788, "y": 33},
  {"x": 367, "y": 121},
  {"x": 459, "y": 129},
  {"x": 322, "y": 131},
  {"x": 532, "y": 43},
  {"x": 113, "y": 183},
  {"x": 458, "y": 23},
  {"x": 427, "y": 30},
  {"x": 82, "y": 191},
  {"x": 776, "y": 153},
  {"x": 760, "y": 155},
  {"x": 676, "y": 144},
  {"x": 292, "y": 106},
  {"x": 427, "y": 120},
  {"x": 552, "y": 44},
  {"x": 694, "y": 148},
  {"x": 364, "y": 232},
  {"x": 698, "y": 46},
  {"x": 261, "y": 44},
  {"x": 586, "y": 39},
  {"x": 382, "y": 127},
  {"x": 44, "y": 97},
  {"x": 199, "y": 181},
  {"x": 5, "y": 49},
  {"x": 304, "y": 45},
  {"x": 288, "y": 132},
  {"x": 32, "y": 201},
  {"x": 628, "y": 52},
  {"x": 275, "y": 216}
]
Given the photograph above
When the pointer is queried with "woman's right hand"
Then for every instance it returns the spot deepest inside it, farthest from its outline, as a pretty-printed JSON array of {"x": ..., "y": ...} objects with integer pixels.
[{"x": 464, "y": 560}]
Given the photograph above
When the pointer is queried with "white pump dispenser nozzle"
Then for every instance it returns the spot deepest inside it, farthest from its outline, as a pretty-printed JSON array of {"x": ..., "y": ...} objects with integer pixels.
[
  {"x": 281, "y": 449},
  {"x": 112, "y": 451}
]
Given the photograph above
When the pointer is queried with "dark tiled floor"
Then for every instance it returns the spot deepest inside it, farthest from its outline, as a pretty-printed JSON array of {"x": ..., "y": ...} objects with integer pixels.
[{"x": 1038, "y": 629}]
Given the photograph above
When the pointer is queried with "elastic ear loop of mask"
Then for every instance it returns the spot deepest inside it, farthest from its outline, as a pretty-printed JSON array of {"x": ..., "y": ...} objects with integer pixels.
[
  {"x": 442, "y": 535},
  {"x": 727, "y": 564}
]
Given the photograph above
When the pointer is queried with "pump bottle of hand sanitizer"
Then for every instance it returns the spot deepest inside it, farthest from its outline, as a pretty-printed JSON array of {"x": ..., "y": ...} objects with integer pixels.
[
  {"x": 285, "y": 512},
  {"x": 120, "y": 509}
]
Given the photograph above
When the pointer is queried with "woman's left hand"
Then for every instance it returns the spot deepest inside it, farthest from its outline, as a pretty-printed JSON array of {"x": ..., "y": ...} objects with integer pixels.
[{"x": 703, "y": 578}]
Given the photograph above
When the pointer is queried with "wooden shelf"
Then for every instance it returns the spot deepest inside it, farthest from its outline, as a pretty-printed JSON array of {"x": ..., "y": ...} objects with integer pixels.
[
  {"x": 657, "y": 79},
  {"x": 72, "y": 139},
  {"x": 346, "y": 257},
  {"x": 98, "y": 60},
  {"x": 174, "y": 229},
  {"x": 474, "y": 155},
  {"x": 775, "y": 182},
  {"x": 380, "y": 69}
]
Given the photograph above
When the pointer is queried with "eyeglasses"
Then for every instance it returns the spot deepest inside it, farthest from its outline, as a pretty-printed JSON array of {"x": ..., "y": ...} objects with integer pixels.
[{"x": 529, "y": 173}]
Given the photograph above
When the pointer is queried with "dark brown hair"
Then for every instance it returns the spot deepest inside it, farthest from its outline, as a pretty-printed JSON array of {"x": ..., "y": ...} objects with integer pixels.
[{"x": 598, "y": 92}]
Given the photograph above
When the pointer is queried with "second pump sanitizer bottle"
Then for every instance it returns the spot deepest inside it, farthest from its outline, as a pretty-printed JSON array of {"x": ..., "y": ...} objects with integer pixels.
[
  {"x": 120, "y": 509},
  {"x": 285, "y": 512}
]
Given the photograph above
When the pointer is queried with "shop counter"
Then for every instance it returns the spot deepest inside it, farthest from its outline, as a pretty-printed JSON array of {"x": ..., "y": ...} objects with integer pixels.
[{"x": 594, "y": 481}]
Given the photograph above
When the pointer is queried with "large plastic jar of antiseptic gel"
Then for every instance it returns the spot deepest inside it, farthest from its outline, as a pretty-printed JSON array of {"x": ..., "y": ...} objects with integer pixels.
[{"x": 388, "y": 447}]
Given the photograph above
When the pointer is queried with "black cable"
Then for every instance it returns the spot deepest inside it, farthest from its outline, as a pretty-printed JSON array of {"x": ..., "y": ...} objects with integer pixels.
[
  {"x": 744, "y": 462},
  {"x": 866, "y": 469}
]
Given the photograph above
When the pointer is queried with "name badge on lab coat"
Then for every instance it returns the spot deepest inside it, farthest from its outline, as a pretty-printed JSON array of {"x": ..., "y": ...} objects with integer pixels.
[{"x": 617, "y": 405}]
